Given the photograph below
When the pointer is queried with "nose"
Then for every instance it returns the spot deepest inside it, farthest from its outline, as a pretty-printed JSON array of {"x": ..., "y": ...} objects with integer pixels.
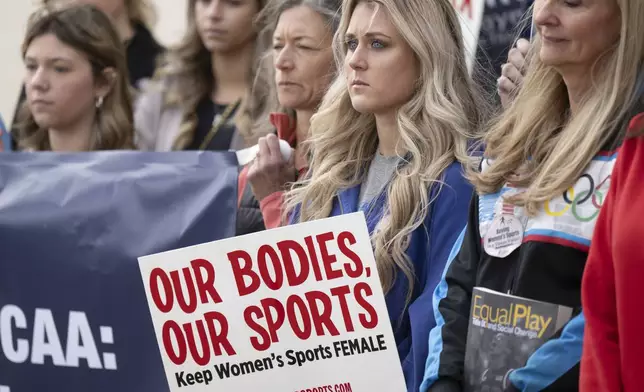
[
  {"x": 544, "y": 13},
  {"x": 357, "y": 60},
  {"x": 216, "y": 9},
  {"x": 37, "y": 79},
  {"x": 284, "y": 59}
]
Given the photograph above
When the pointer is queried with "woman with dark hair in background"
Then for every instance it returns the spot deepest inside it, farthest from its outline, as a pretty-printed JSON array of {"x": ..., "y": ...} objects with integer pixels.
[
  {"x": 133, "y": 20},
  {"x": 199, "y": 100},
  {"x": 78, "y": 95},
  {"x": 295, "y": 73}
]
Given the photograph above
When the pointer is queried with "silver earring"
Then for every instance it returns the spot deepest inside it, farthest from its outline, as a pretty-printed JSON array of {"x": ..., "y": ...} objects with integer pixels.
[{"x": 99, "y": 102}]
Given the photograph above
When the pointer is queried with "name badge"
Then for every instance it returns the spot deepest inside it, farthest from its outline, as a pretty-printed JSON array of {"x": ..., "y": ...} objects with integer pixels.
[{"x": 504, "y": 236}]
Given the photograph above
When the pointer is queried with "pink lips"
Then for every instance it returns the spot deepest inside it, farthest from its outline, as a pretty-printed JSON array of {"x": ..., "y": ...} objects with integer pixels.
[
  {"x": 215, "y": 32},
  {"x": 40, "y": 103},
  {"x": 553, "y": 39}
]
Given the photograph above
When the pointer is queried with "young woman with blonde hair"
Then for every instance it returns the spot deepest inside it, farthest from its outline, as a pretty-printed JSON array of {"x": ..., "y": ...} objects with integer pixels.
[
  {"x": 200, "y": 98},
  {"x": 548, "y": 165},
  {"x": 391, "y": 139},
  {"x": 78, "y": 96}
]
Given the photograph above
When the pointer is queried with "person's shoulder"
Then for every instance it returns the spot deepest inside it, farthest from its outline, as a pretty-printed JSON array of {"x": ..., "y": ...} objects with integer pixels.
[
  {"x": 453, "y": 189},
  {"x": 150, "y": 94},
  {"x": 450, "y": 199},
  {"x": 636, "y": 125},
  {"x": 455, "y": 175},
  {"x": 634, "y": 141}
]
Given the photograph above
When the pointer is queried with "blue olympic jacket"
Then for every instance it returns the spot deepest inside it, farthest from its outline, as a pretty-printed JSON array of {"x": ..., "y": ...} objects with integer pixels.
[{"x": 429, "y": 249}]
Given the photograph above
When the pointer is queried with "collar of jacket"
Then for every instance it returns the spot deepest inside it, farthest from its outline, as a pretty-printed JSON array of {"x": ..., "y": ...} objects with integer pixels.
[{"x": 285, "y": 127}]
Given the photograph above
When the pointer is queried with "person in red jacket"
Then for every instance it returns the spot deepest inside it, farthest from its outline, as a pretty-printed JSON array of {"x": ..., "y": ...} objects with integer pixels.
[
  {"x": 295, "y": 72},
  {"x": 612, "y": 297}
]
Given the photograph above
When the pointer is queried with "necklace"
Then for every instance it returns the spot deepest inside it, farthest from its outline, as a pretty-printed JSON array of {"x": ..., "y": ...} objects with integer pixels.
[{"x": 218, "y": 122}]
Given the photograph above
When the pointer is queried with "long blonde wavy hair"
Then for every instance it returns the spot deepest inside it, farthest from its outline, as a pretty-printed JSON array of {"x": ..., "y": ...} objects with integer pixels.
[
  {"x": 434, "y": 125},
  {"x": 89, "y": 31},
  {"x": 186, "y": 75},
  {"x": 537, "y": 145}
]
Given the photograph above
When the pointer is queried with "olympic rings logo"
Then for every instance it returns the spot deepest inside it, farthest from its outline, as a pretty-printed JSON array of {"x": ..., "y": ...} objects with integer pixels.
[{"x": 574, "y": 201}]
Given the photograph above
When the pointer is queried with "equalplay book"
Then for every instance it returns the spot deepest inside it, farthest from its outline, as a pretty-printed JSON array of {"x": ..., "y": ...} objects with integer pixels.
[{"x": 504, "y": 331}]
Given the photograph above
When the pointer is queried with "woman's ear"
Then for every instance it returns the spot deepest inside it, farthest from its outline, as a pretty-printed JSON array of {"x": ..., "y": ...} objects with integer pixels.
[{"x": 105, "y": 82}]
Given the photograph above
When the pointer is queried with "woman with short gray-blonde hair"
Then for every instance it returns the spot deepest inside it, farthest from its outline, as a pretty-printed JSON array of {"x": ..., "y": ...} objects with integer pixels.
[{"x": 295, "y": 71}]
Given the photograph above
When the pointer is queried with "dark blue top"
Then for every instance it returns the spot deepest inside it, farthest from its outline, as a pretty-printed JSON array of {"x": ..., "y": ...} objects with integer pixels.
[{"x": 428, "y": 251}]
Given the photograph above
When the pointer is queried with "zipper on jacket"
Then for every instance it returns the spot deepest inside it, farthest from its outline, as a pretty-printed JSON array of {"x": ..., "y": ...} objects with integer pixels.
[{"x": 515, "y": 271}]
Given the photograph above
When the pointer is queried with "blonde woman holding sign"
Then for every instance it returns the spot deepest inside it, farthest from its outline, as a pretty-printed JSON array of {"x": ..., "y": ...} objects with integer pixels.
[
  {"x": 391, "y": 140},
  {"x": 548, "y": 165}
]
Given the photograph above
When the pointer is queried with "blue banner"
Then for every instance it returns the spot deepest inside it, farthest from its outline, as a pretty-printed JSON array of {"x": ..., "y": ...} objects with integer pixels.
[{"x": 73, "y": 311}]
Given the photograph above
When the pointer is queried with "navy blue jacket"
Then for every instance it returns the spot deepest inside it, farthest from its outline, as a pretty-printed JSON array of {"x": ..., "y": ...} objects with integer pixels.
[{"x": 428, "y": 250}]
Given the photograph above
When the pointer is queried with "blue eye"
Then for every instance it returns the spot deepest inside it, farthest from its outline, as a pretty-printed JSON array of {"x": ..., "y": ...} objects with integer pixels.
[
  {"x": 352, "y": 44},
  {"x": 377, "y": 44}
]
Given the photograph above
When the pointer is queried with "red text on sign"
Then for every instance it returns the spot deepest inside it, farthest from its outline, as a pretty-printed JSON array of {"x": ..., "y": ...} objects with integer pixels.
[
  {"x": 289, "y": 263},
  {"x": 202, "y": 284},
  {"x": 308, "y": 315},
  {"x": 211, "y": 335}
]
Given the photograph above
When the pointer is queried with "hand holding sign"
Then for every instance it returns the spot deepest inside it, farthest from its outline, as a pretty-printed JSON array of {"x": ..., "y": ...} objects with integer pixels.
[
  {"x": 308, "y": 293},
  {"x": 272, "y": 169}
]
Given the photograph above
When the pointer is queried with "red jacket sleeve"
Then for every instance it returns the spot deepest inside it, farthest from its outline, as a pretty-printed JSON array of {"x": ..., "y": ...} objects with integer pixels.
[
  {"x": 601, "y": 359},
  {"x": 242, "y": 180},
  {"x": 271, "y": 207}
]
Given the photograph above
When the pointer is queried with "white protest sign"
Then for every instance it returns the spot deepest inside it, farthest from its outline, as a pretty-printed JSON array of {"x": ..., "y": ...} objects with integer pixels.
[
  {"x": 298, "y": 308},
  {"x": 470, "y": 14}
]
